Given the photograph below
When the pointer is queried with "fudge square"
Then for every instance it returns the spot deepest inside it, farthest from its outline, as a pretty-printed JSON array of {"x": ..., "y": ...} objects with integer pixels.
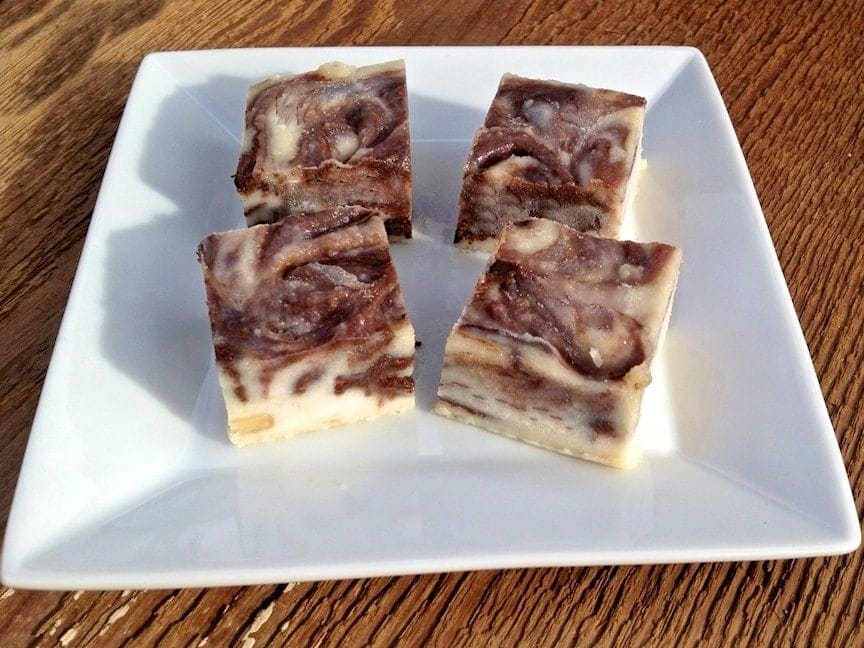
[
  {"x": 335, "y": 136},
  {"x": 550, "y": 150},
  {"x": 309, "y": 325},
  {"x": 555, "y": 346}
]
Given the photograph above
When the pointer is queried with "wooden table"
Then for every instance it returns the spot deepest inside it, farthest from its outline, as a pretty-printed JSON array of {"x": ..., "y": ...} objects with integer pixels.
[{"x": 792, "y": 79}]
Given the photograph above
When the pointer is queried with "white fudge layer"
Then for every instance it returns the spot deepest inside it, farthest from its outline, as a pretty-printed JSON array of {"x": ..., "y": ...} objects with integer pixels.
[{"x": 303, "y": 397}]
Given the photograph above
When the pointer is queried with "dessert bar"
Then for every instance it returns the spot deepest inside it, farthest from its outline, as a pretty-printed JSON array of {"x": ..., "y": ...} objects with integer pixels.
[
  {"x": 550, "y": 150},
  {"x": 335, "y": 136},
  {"x": 308, "y": 322},
  {"x": 555, "y": 346}
]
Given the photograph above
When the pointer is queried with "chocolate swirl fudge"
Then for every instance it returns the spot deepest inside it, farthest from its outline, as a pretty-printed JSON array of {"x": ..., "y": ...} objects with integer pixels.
[
  {"x": 550, "y": 150},
  {"x": 555, "y": 346},
  {"x": 335, "y": 136},
  {"x": 309, "y": 325}
]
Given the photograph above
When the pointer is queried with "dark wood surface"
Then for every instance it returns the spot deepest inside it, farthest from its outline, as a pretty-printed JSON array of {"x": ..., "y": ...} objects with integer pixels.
[{"x": 791, "y": 75}]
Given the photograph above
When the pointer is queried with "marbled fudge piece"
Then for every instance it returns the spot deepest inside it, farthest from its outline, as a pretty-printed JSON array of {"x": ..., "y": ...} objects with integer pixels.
[
  {"x": 308, "y": 323},
  {"x": 335, "y": 136},
  {"x": 550, "y": 150},
  {"x": 556, "y": 344}
]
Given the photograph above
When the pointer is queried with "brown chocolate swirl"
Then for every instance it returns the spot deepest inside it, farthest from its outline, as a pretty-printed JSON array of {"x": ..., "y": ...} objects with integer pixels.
[
  {"x": 493, "y": 147},
  {"x": 553, "y": 108},
  {"x": 335, "y": 136},
  {"x": 511, "y": 300},
  {"x": 550, "y": 150},
  {"x": 558, "y": 289},
  {"x": 575, "y": 258},
  {"x": 277, "y": 293},
  {"x": 332, "y": 119},
  {"x": 543, "y": 119}
]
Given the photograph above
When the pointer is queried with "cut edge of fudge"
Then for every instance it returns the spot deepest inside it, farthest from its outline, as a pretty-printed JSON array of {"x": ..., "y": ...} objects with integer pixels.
[
  {"x": 512, "y": 381},
  {"x": 359, "y": 154},
  {"x": 309, "y": 325},
  {"x": 519, "y": 166}
]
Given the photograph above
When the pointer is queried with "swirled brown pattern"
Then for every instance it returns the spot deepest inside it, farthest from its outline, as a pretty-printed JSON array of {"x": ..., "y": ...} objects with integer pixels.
[
  {"x": 556, "y": 343},
  {"x": 304, "y": 289},
  {"x": 551, "y": 150},
  {"x": 335, "y": 136}
]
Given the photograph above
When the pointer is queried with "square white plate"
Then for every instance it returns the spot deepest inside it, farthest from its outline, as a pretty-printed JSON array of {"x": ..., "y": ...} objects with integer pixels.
[{"x": 128, "y": 480}]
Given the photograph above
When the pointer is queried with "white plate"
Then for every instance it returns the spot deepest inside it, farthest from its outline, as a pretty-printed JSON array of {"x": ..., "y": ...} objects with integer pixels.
[{"x": 129, "y": 481}]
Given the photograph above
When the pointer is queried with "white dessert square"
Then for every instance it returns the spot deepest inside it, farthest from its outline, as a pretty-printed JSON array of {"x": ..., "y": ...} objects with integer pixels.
[
  {"x": 309, "y": 325},
  {"x": 555, "y": 346},
  {"x": 331, "y": 137},
  {"x": 554, "y": 150}
]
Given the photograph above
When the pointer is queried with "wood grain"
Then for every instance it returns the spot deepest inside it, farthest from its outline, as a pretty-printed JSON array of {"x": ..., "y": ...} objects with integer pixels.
[{"x": 791, "y": 77}]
